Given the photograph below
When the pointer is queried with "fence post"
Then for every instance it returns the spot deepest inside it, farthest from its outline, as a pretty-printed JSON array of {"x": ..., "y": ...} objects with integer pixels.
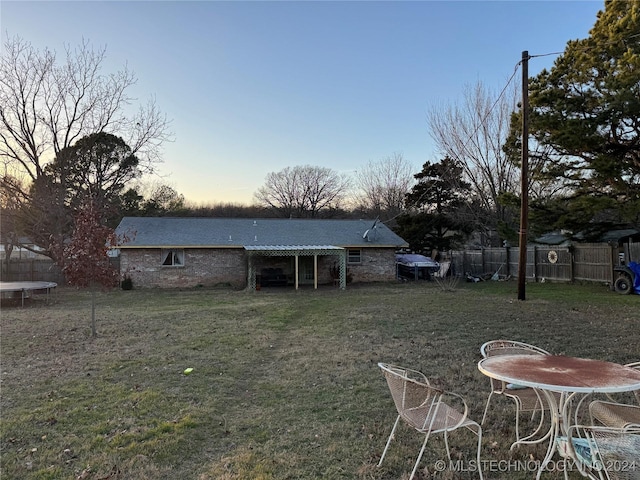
[
  {"x": 6, "y": 270},
  {"x": 507, "y": 270},
  {"x": 627, "y": 253},
  {"x": 572, "y": 261},
  {"x": 614, "y": 259}
]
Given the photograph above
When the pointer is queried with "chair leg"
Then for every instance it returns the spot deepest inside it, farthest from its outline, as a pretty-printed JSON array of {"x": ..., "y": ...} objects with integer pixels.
[
  {"x": 486, "y": 409},
  {"x": 517, "y": 422},
  {"x": 393, "y": 430},
  {"x": 479, "y": 433},
  {"x": 446, "y": 445},
  {"x": 528, "y": 438},
  {"x": 415, "y": 467},
  {"x": 539, "y": 406}
]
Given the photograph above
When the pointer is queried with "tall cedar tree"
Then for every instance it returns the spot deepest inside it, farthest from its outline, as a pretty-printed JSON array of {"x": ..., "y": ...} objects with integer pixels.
[
  {"x": 97, "y": 167},
  {"x": 438, "y": 201},
  {"x": 587, "y": 110}
]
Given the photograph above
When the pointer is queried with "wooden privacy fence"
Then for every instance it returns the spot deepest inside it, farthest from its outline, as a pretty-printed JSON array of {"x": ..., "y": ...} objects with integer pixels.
[
  {"x": 31, "y": 270},
  {"x": 38, "y": 270},
  {"x": 592, "y": 262}
]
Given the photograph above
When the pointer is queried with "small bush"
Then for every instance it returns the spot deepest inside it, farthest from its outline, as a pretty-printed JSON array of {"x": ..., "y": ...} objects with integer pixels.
[{"x": 127, "y": 283}]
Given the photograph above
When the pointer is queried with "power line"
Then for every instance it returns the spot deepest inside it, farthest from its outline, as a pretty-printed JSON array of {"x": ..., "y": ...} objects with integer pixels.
[
  {"x": 515, "y": 71},
  {"x": 482, "y": 121},
  {"x": 510, "y": 80},
  {"x": 587, "y": 48},
  {"x": 544, "y": 55}
]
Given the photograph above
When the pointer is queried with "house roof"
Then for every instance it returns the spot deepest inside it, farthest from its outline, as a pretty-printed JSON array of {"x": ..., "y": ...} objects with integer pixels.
[
  {"x": 621, "y": 235},
  {"x": 553, "y": 238},
  {"x": 558, "y": 238},
  {"x": 194, "y": 232}
]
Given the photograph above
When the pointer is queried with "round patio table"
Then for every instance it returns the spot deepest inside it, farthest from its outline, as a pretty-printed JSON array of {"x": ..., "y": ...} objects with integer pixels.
[{"x": 566, "y": 376}]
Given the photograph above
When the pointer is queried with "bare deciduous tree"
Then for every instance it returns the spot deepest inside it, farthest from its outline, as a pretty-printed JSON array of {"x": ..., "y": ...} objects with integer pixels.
[
  {"x": 303, "y": 191},
  {"x": 383, "y": 185},
  {"x": 473, "y": 135},
  {"x": 46, "y": 105}
]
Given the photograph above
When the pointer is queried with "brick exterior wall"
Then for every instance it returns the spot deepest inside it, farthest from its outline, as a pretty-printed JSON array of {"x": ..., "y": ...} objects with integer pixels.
[
  {"x": 209, "y": 267},
  {"x": 376, "y": 265},
  {"x": 202, "y": 266}
]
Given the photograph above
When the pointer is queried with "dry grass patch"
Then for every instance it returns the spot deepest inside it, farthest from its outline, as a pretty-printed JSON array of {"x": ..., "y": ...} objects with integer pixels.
[{"x": 285, "y": 384}]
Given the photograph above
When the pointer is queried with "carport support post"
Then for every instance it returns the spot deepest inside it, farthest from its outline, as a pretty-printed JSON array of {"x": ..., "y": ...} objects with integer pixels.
[
  {"x": 315, "y": 271},
  {"x": 251, "y": 274}
]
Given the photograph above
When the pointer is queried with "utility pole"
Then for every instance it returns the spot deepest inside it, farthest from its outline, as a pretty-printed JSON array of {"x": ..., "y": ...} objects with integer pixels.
[{"x": 524, "y": 180}]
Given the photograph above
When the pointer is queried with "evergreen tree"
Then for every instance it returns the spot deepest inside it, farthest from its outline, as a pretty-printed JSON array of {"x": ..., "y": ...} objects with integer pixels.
[
  {"x": 586, "y": 109},
  {"x": 98, "y": 168},
  {"x": 438, "y": 204}
]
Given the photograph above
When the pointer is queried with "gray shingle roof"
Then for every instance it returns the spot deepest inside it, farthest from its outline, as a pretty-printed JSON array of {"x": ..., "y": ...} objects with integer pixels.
[{"x": 240, "y": 232}]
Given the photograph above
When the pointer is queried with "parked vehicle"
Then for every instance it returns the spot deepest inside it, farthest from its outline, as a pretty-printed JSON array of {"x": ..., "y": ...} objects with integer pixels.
[
  {"x": 628, "y": 278},
  {"x": 415, "y": 267}
]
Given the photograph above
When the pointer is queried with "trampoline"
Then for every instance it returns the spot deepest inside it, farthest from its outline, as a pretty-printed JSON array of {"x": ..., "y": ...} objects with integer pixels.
[{"x": 25, "y": 288}]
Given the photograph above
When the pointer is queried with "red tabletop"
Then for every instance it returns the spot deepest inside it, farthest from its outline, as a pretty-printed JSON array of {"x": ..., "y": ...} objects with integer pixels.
[{"x": 561, "y": 374}]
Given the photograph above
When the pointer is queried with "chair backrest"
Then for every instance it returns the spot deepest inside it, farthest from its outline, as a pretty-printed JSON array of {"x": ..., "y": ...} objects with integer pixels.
[
  {"x": 409, "y": 388},
  {"x": 509, "y": 347},
  {"x": 613, "y": 449},
  {"x": 411, "y": 391}
]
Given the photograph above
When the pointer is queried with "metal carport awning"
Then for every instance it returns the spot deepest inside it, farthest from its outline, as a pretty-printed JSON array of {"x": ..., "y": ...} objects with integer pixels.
[{"x": 295, "y": 251}]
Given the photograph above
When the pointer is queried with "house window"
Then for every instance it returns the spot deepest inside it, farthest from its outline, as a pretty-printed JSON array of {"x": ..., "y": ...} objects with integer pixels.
[
  {"x": 354, "y": 256},
  {"x": 172, "y": 258}
]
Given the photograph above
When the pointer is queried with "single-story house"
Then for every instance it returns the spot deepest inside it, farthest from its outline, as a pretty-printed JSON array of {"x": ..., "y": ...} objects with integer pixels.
[{"x": 248, "y": 253}]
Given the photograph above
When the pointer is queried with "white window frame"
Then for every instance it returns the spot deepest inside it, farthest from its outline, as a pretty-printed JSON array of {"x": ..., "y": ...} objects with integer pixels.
[
  {"x": 354, "y": 255},
  {"x": 175, "y": 257}
]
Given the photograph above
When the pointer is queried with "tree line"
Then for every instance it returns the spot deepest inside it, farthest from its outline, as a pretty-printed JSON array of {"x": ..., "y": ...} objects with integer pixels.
[{"x": 72, "y": 140}]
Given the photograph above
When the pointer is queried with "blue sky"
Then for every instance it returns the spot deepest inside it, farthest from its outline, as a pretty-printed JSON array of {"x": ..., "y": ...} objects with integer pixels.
[{"x": 254, "y": 87}]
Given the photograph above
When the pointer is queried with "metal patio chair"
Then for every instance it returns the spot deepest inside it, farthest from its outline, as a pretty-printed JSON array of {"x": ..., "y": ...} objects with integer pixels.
[
  {"x": 605, "y": 452},
  {"x": 614, "y": 414},
  {"x": 525, "y": 399},
  {"x": 422, "y": 406}
]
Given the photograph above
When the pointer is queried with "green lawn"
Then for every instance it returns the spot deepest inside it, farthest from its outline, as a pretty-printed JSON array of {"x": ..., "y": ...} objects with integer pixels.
[{"x": 285, "y": 384}]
